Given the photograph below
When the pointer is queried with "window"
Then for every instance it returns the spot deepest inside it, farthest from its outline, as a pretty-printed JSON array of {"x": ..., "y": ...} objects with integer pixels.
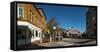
[
  {"x": 31, "y": 15},
  {"x": 33, "y": 33},
  {"x": 20, "y": 10},
  {"x": 36, "y": 33},
  {"x": 93, "y": 18},
  {"x": 23, "y": 32}
]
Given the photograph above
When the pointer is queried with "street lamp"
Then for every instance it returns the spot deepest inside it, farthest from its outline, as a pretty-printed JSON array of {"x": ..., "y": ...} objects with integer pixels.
[{"x": 54, "y": 28}]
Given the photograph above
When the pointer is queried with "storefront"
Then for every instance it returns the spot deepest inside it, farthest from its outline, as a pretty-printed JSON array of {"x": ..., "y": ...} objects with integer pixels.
[{"x": 36, "y": 32}]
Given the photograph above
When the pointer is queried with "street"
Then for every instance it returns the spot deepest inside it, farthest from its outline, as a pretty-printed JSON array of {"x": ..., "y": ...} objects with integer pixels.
[
  {"x": 80, "y": 41},
  {"x": 65, "y": 42},
  {"x": 69, "y": 42}
]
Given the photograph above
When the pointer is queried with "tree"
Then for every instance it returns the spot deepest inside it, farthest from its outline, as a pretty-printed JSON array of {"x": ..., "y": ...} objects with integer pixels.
[{"x": 50, "y": 24}]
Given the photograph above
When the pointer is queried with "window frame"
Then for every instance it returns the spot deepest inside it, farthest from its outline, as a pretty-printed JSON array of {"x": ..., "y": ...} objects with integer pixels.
[{"x": 22, "y": 7}]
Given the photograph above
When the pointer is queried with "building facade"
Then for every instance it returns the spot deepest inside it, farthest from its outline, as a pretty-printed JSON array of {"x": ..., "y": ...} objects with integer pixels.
[
  {"x": 91, "y": 22},
  {"x": 43, "y": 20},
  {"x": 34, "y": 18}
]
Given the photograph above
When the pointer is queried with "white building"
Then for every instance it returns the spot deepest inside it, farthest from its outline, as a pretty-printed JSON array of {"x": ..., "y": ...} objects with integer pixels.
[
  {"x": 36, "y": 33},
  {"x": 73, "y": 33}
]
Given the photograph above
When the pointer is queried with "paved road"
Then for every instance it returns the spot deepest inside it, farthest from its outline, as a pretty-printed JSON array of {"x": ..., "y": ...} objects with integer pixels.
[
  {"x": 55, "y": 44},
  {"x": 69, "y": 42},
  {"x": 80, "y": 41},
  {"x": 64, "y": 42}
]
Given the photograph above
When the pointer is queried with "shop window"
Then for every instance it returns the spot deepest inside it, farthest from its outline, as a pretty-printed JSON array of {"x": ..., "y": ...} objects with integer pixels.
[
  {"x": 23, "y": 32},
  {"x": 36, "y": 33}
]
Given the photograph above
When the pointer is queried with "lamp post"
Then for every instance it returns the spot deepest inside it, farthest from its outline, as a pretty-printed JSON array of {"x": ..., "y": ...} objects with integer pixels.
[{"x": 54, "y": 28}]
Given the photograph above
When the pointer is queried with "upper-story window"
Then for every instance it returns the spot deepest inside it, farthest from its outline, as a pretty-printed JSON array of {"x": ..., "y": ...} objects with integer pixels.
[
  {"x": 20, "y": 10},
  {"x": 31, "y": 15},
  {"x": 93, "y": 18}
]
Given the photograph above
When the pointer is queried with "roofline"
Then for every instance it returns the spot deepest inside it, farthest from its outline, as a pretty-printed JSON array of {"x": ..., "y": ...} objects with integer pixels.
[
  {"x": 36, "y": 9},
  {"x": 42, "y": 11}
]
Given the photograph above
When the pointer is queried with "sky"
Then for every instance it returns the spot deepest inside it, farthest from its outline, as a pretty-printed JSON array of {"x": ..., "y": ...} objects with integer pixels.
[{"x": 67, "y": 16}]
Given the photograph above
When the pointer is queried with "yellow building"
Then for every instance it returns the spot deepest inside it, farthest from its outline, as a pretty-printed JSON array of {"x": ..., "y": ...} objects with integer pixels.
[
  {"x": 43, "y": 20},
  {"x": 34, "y": 18}
]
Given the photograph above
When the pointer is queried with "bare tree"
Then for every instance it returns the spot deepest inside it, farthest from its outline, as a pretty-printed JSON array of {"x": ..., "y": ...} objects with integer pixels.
[{"x": 50, "y": 24}]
